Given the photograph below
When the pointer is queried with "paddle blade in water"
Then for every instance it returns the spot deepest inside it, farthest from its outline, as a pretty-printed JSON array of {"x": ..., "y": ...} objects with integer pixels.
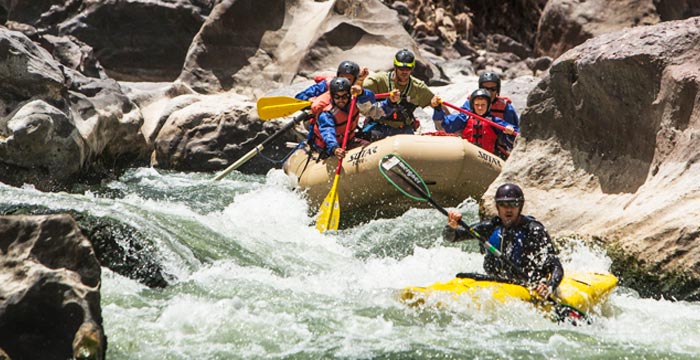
[
  {"x": 329, "y": 213},
  {"x": 273, "y": 107},
  {"x": 402, "y": 176}
]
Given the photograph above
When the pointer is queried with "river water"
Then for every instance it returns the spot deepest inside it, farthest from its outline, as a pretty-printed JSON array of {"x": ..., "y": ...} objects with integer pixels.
[{"x": 253, "y": 279}]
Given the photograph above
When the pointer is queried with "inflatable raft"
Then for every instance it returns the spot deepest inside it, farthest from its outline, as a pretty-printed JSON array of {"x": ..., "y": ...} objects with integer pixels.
[
  {"x": 580, "y": 292},
  {"x": 453, "y": 169}
]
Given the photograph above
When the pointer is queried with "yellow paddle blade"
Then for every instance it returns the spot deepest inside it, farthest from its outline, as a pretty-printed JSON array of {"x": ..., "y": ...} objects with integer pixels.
[
  {"x": 273, "y": 107},
  {"x": 329, "y": 212}
]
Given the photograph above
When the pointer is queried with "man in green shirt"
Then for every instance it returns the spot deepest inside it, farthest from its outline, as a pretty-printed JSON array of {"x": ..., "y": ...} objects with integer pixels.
[{"x": 407, "y": 93}]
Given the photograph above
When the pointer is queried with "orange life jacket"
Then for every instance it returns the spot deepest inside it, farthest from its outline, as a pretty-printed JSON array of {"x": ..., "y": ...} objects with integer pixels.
[
  {"x": 480, "y": 134},
  {"x": 319, "y": 103},
  {"x": 340, "y": 116},
  {"x": 498, "y": 107}
]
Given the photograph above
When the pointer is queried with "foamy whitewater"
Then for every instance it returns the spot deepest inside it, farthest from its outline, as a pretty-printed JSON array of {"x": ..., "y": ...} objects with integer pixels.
[{"x": 253, "y": 279}]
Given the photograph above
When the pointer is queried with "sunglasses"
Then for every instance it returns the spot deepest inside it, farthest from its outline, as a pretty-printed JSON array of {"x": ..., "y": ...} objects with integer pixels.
[
  {"x": 509, "y": 204},
  {"x": 340, "y": 97},
  {"x": 404, "y": 68},
  {"x": 491, "y": 88}
]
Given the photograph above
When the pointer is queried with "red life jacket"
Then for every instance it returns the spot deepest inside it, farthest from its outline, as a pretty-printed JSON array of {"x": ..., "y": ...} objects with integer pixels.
[
  {"x": 498, "y": 107},
  {"x": 480, "y": 134},
  {"x": 340, "y": 116}
]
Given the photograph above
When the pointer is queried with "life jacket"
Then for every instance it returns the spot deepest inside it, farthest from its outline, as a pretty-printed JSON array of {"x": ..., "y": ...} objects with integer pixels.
[
  {"x": 403, "y": 116},
  {"x": 498, "y": 107},
  {"x": 319, "y": 104},
  {"x": 341, "y": 121},
  {"x": 326, "y": 77},
  {"x": 480, "y": 134},
  {"x": 515, "y": 248}
]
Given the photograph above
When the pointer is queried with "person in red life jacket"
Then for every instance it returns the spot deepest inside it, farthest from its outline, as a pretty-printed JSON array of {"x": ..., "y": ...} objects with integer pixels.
[
  {"x": 346, "y": 69},
  {"x": 328, "y": 128},
  {"x": 475, "y": 130},
  {"x": 501, "y": 107},
  {"x": 520, "y": 238}
]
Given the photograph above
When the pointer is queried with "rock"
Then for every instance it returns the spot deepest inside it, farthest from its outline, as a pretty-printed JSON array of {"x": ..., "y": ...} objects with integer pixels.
[
  {"x": 137, "y": 40},
  {"x": 108, "y": 121},
  {"x": 54, "y": 120},
  {"x": 677, "y": 9},
  {"x": 627, "y": 177},
  {"x": 504, "y": 44},
  {"x": 43, "y": 137},
  {"x": 210, "y": 134},
  {"x": 254, "y": 47},
  {"x": 118, "y": 246},
  {"x": 567, "y": 23},
  {"x": 538, "y": 64},
  {"x": 133, "y": 40},
  {"x": 73, "y": 54},
  {"x": 50, "y": 288}
]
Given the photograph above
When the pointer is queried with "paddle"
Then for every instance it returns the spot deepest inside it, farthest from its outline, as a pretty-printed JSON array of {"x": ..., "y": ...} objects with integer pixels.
[
  {"x": 501, "y": 127},
  {"x": 256, "y": 150},
  {"x": 273, "y": 107},
  {"x": 329, "y": 212},
  {"x": 402, "y": 176}
]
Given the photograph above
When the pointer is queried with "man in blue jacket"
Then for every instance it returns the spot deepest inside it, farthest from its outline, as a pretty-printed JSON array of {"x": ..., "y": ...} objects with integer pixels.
[
  {"x": 520, "y": 238},
  {"x": 346, "y": 69}
]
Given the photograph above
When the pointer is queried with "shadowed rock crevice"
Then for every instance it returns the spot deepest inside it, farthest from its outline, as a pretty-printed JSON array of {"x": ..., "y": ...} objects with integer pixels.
[{"x": 345, "y": 36}]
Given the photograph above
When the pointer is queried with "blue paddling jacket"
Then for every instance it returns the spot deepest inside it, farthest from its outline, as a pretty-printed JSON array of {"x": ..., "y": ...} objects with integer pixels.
[{"x": 526, "y": 244}]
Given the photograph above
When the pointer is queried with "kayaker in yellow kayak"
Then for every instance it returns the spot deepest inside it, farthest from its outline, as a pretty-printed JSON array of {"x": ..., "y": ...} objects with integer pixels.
[{"x": 520, "y": 238}]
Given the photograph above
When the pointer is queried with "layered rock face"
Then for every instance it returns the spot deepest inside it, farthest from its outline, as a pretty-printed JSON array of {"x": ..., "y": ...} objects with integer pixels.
[
  {"x": 608, "y": 148},
  {"x": 257, "y": 46},
  {"x": 49, "y": 298},
  {"x": 134, "y": 40},
  {"x": 567, "y": 23}
]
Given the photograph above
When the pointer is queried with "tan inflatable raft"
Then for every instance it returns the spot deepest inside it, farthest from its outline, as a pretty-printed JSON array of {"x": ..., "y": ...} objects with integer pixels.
[{"x": 453, "y": 169}]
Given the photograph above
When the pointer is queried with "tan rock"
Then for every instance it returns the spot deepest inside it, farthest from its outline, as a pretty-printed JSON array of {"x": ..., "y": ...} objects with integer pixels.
[{"x": 608, "y": 146}]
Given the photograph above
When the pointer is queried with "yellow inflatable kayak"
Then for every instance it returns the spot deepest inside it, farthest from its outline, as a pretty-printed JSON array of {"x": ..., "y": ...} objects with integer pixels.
[{"x": 578, "y": 292}]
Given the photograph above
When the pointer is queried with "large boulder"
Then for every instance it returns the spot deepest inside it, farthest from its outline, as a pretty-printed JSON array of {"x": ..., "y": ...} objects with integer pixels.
[
  {"x": 55, "y": 122},
  {"x": 608, "y": 149},
  {"x": 49, "y": 290},
  {"x": 567, "y": 23},
  {"x": 212, "y": 132},
  {"x": 256, "y": 46}
]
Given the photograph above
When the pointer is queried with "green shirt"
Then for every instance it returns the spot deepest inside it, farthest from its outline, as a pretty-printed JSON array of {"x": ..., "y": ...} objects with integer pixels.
[{"x": 418, "y": 92}]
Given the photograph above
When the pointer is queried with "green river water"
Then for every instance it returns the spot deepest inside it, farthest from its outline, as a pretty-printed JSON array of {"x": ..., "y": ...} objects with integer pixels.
[{"x": 253, "y": 279}]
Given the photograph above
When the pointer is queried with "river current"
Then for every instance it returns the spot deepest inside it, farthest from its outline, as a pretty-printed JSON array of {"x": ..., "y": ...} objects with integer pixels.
[{"x": 253, "y": 279}]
